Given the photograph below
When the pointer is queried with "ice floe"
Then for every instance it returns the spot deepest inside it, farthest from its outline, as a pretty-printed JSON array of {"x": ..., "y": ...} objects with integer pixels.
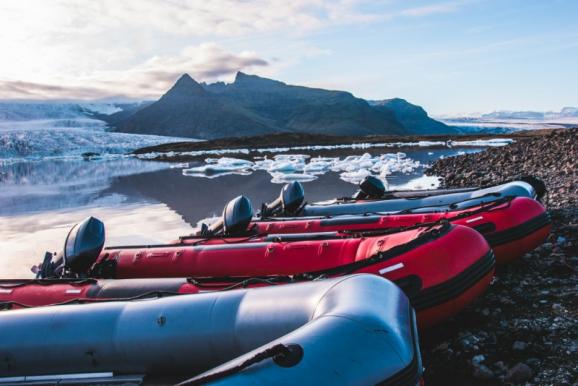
[{"x": 301, "y": 167}]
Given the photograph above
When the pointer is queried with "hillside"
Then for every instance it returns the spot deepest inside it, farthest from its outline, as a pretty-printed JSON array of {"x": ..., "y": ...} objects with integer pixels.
[
  {"x": 414, "y": 118},
  {"x": 252, "y": 105}
]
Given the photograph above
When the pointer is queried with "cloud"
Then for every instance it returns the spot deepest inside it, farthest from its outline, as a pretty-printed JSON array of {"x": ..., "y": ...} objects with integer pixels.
[
  {"x": 450, "y": 6},
  {"x": 205, "y": 62},
  {"x": 138, "y": 47}
]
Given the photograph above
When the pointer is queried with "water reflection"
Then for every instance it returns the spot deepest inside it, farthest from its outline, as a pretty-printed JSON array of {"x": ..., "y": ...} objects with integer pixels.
[{"x": 139, "y": 201}]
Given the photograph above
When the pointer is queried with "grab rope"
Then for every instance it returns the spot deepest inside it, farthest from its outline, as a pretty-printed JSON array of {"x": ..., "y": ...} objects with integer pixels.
[
  {"x": 283, "y": 355},
  {"x": 7, "y": 305},
  {"x": 9, "y": 284}
]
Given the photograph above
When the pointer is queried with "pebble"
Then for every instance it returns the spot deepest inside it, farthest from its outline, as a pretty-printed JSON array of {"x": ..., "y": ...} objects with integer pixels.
[
  {"x": 520, "y": 372},
  {"x": 478, "y": 359},
  {"x": 519, "y": 346},
  {"x": 483, "y": 372}
]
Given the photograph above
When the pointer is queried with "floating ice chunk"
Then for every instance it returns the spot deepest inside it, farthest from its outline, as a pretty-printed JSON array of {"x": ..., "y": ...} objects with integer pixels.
[
  {"x": 180, "y": 165},
  {"x": 231, "y": 162},
  {"x": 355, "y": 177},
  {"x": 291, "y": 157},
  {"x": 316, "y": 167},
  {"x": 220, "y": 165},
  {"x": 192, "y": 173},
  {"x": 285, "y": 167},
  {"x": 282, "y": 178},
  {"x": 482, "y": 142}
]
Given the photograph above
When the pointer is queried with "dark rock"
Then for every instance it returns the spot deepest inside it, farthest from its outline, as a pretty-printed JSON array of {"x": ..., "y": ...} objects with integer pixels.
[
  {"x": 519, "y": 373},
  {"x": 519, "y": 346},
  {"x": 483, "y": 372}
]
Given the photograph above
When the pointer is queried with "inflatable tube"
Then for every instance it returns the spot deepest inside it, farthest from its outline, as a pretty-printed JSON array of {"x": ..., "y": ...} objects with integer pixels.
[
  {"x": 513, "y": 226},
  {"x": 439, "y": 202},
  {"x": 15, "y": 294},
  {"x": 238, "y": 337},
  {"x": 436, "y": 266}
]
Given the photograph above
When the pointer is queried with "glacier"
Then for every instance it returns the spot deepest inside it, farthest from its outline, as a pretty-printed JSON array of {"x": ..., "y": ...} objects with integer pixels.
[{"x": 41, "y": 130}]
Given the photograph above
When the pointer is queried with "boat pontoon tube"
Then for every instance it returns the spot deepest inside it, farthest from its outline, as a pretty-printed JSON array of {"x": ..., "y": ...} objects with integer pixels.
[
  {"x": 356, "y": 330},
  {"x": 426, "y": 204}
]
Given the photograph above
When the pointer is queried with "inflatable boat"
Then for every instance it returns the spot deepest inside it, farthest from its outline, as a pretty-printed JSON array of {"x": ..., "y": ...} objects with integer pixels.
[
  {"x": 373, "y": 188},
  {"x": 243, "y": 337},
  {"x": 512, "y": 226},
  {"x": 291, "y": 202},
  {"x": 442, "y": 268}
]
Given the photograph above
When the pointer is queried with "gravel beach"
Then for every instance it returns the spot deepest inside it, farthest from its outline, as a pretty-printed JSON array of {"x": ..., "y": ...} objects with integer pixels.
[{"x": 524, "y": 330}]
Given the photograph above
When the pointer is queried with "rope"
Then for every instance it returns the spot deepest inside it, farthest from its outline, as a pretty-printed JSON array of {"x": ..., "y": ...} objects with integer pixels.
[
  {"x": 271, "y": 352},
  {"x": 45, "y": 282},
  {"x": 159, "y": 294}
]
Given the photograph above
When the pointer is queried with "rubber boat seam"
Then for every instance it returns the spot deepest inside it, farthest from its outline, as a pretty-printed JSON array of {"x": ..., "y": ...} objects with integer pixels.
[
  {"x": 519, "y": 231},
  {"x": 454, "y": 287},
  {"x": 314, "y": 313}
]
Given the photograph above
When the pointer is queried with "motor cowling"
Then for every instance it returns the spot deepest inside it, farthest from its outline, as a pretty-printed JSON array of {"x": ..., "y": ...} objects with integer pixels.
[
  {"x": 237, "y": 215},
  {"x": 82, "y": 247},
  {"x": 289, "y": 201},
  {"x": 372, "y": 187}
]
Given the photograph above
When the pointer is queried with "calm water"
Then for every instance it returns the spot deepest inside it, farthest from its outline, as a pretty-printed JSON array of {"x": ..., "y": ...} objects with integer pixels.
[{"x": 140, "y": 201}]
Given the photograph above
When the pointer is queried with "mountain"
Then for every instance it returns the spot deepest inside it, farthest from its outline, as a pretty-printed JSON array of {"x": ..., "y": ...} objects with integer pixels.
[
  {"x": 413, "y": 118},
  {"x": 566, "y": 112},
  {"x": 188, "y": 110},
  {"x": 253, "y": 105}
]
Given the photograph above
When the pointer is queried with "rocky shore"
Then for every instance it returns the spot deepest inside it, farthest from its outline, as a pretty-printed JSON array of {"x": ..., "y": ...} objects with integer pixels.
[{"x": 525, "y": 329}]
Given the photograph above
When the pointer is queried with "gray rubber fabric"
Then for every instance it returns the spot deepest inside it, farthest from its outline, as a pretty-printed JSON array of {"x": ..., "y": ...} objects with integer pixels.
[
  {"x": 425, "y": 204},
  {"x": 356, "y": 330}
]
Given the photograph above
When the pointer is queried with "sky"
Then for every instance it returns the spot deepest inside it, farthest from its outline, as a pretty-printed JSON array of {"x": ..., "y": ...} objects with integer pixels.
[{"x": 451, "y": 57}]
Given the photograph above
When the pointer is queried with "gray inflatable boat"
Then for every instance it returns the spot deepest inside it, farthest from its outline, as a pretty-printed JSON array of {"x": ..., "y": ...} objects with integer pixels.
[
  {"x": 442, "y": 202},
  {"x": 357, "y": 330}
]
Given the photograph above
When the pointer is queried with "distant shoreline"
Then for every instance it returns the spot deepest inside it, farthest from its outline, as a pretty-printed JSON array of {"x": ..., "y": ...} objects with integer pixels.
[{"x": 173, "y": 151}]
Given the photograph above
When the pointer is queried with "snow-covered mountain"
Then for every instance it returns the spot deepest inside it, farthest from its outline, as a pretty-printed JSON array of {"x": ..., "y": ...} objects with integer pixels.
[
  {"x": 505, "y": 121},
  {"x": 566, "y": 112}
]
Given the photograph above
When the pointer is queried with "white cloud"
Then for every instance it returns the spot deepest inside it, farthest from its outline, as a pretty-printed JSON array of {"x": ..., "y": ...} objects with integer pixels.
[
  {"x": 446, "y": 7},
  {"x": 137, "y": 47},
  {"x": 205, "y": 62}
]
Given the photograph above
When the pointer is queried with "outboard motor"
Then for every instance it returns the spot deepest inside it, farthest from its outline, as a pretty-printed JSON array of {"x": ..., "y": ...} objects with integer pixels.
[
  {"x": 81, "y": 249},
  {"x": 370, "y": 187},
  {"x": 288, "y": 202},
  {"x": 538, "y": 185},
  {"x": 237, "y": 215}
]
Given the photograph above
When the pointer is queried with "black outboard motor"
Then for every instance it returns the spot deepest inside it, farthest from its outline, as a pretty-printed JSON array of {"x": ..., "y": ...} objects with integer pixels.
[
  {"x": 370, "y": 187},
  {"x": 81, "y": 249},
  {"x": 288, "y": 202},
  {"x": 538, "y": 185},
  {"x": 237, "y": 215}
]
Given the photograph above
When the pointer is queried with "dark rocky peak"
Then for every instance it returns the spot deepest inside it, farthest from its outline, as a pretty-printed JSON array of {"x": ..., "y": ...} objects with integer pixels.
[
  {"x": 243, "y": 80},
  {"x": 184, "y": 87},
  {"x": 216, "y": 87}
]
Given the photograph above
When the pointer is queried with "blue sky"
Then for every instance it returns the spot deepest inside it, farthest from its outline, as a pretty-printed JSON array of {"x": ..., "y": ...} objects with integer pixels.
[{"x": 449, "y": 56}]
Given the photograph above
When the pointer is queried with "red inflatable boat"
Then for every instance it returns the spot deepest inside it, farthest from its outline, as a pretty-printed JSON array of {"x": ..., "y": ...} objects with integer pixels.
[
  {"x": 512, "y": 226},
  {"x": 441, "y": 268}
]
